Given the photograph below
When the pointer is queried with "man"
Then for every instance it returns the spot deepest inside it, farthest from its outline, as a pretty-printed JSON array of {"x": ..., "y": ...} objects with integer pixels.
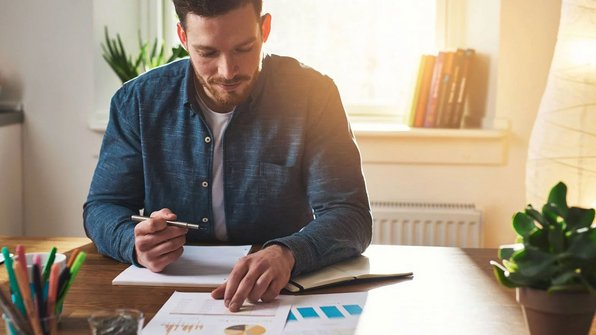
[{"x": 255, "y": 148}]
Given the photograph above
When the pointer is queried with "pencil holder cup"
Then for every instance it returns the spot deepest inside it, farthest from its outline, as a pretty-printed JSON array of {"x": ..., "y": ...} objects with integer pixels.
[
  {"x": 117, "y": 322},
  {"x": 59, "y": 259},
  {"x": 47, "y": 325}
]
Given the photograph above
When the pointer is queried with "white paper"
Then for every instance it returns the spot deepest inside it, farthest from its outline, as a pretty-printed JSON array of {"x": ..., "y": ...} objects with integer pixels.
[
  {"x": 204, "y": 266},
  {"x": 198, "y": 313},
  {"x": 323, "y": 314}
]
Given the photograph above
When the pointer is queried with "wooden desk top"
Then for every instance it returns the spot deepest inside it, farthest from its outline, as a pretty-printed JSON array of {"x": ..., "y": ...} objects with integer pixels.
[{"x": 453, "y": 292}]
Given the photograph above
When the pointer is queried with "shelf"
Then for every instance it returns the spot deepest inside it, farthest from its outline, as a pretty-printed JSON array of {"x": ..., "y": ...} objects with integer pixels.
[{"x": 11, "y": 113}]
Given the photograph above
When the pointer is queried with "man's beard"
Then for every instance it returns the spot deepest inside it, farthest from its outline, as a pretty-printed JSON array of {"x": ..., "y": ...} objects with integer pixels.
[{"x": 223, "y": 100}]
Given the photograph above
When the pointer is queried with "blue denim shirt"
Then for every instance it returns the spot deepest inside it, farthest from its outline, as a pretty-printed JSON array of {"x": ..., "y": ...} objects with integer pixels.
[{"x": 292, "y": 171}]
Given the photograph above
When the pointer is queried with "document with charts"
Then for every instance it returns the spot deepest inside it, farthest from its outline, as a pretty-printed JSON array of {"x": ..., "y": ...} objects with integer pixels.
[
  {"x": 199, "y": 266},
  {"x": 198, "y": 313}
]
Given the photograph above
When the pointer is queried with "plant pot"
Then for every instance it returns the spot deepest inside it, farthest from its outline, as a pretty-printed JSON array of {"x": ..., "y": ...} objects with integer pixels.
[{"x": 556, "y": 313}]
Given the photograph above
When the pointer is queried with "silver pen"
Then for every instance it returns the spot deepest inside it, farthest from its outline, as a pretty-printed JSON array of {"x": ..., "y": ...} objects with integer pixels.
[{"x": 139, "y": 218}]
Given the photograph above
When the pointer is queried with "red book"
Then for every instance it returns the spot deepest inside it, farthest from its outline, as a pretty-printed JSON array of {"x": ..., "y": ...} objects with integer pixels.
[{"x": 449, "y": 114}]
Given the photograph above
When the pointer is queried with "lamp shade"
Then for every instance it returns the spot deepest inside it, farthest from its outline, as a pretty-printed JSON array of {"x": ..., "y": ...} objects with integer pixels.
[{"x": 563, "y": 141}]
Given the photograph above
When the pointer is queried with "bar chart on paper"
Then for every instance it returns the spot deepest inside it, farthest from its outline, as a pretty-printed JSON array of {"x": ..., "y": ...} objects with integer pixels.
[{"x": 321, "y": 314}]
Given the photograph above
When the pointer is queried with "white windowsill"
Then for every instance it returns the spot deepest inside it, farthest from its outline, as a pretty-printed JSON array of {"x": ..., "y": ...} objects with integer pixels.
[
  {"x": 98, "y": 122},
  {"x": 398, "y": 144}
]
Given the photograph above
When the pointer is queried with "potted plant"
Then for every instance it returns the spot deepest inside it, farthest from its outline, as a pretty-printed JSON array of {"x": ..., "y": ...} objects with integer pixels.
[
  {"x": 553, "y": 266},
  {"x": 127, "y": 68}
]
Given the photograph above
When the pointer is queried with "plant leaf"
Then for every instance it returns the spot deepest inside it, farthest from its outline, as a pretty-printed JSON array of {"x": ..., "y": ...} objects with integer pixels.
[
  {"x": 539, "y": 239},
  {"x": 583, "y": 245},
  {"x": 115, "y": 56},
  {"x": 533, "y": 213},
  {"x": 556, "y": 238},
  {"x": 552, "y": 214},
  {"x": 523, "y": 224},
  {"x": 510, "y": 266},
  {"x": 558, "y": 197},
  {"x": 565, "y": 278},
  {"x": 177, "y": 52},
  {"x": 500, "y": 275},
  {"x": 578, "y": 218},
  {"x": 534, "y": 263},
  {"x": 506, "y": 250},
  {"x": 123, "y": 65},
  {"x": 521, "y": 280}
]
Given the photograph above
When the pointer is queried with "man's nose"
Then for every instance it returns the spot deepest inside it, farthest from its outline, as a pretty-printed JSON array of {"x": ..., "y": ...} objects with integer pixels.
[{"x": 228, "y": 67}]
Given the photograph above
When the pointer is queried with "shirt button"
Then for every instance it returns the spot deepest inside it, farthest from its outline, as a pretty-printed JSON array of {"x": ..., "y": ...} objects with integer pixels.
[
  {"x": 207, "y": 139},
  {"x": 204, "y": 184},
  {"x": 205, "y": 220}
]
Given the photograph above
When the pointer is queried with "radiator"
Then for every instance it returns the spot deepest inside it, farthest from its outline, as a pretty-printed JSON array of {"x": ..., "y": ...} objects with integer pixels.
[{"x": 435, "y": 224}]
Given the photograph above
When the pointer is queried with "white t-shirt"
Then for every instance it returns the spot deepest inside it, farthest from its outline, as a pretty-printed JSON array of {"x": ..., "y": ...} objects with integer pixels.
[{"x": 218, "y": 122}]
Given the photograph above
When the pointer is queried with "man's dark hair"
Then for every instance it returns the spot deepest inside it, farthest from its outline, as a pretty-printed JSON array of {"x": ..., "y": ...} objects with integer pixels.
[{"x": 212, "y": 8}]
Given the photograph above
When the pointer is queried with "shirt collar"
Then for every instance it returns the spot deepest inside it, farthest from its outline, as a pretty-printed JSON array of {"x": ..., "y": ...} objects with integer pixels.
[{"x": 188, "y": 88}]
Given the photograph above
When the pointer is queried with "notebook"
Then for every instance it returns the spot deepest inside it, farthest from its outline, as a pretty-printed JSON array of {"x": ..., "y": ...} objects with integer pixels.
[
  {"x": 360, "y": 267},
  {"x": 199, "y": 266}
]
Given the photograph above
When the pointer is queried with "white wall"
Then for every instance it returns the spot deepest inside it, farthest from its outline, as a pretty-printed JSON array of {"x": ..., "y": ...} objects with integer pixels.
[
  {"x": 50, "y": 53},
  {"x": 47, "y": 48},
  {"x": 11, "y": 180}
]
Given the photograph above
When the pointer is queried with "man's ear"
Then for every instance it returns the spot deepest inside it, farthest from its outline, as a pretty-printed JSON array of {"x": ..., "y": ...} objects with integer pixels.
[
  {"x": 182, "y": 35},
  {"x": 265, "y": 26}
]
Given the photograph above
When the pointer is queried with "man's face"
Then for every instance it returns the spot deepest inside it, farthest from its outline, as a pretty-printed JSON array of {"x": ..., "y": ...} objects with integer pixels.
[{"x": 225, "y": 52}]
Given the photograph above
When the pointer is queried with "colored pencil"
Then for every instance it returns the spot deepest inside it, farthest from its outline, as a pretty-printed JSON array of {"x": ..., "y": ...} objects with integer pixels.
[
  {"x": 20, "y": 250},
  {"x": 72, "y": 257},
  {"x": 14, "y": 286},
  {"x": 21, "y": 276},
  {"x": 73, "y": 273},
  {"x": 52, "y": 293},
  {"x": 49, "y": 262}
]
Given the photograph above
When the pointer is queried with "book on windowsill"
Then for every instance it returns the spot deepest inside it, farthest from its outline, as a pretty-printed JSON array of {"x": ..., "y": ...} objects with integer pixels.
[{"x": 353, "y": 269}]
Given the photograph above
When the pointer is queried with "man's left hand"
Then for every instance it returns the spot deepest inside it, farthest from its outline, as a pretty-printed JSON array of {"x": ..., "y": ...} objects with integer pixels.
[{"x": 261, "y": 275}]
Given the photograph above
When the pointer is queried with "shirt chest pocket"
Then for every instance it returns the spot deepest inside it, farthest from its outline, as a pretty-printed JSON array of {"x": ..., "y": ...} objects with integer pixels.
[{"x": 278, "y": 184}]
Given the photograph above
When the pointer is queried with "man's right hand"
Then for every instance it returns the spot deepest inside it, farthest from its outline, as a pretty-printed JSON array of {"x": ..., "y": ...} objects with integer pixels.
[{"x": 158, "y": 244}]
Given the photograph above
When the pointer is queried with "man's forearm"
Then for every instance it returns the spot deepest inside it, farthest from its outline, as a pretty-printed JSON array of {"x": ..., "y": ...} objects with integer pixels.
[
  {"x": 110, "y": 228},
  {"x": 339, "y": 234}
]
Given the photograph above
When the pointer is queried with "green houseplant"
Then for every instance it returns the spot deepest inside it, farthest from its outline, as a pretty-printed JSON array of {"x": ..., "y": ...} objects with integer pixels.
[
  {"x": 553, "y": 265},
  {"x": 125, "y": 66}
]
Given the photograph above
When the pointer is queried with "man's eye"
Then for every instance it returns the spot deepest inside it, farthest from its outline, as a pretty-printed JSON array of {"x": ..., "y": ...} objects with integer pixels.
[
  {"x": 242, "y": 50},
  {"x": 209, "y": 54}
]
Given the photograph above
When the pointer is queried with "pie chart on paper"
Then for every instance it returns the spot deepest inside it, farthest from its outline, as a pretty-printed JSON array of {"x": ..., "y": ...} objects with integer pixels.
[{"x": 245, "y": 330}]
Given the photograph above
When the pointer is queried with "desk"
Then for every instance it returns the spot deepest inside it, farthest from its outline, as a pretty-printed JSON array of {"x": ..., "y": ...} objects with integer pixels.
[{"x": 453, "y": 292}]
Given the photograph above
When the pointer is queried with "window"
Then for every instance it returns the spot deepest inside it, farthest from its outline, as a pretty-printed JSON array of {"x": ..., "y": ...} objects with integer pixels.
[{"x": 371, "y": 48}]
